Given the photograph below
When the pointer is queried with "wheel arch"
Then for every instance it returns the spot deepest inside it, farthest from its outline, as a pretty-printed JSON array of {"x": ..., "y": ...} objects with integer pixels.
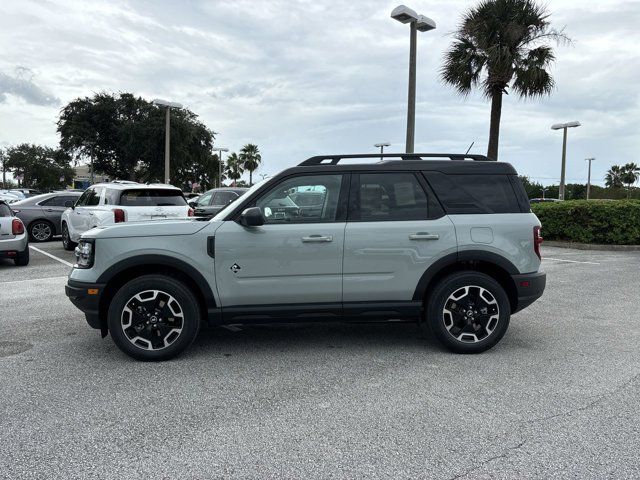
[
  {"x": 117, "y": 275},
  {"x": 491, "y": 264}
]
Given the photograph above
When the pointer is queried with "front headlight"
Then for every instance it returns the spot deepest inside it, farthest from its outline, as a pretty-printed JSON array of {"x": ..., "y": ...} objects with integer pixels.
[{"x": 84, "y": 254}]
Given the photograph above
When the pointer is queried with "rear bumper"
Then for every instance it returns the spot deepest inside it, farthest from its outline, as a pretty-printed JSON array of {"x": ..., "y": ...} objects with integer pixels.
[
  {"x": 530, "y": 287},
  {"x": 9, "y": 248},
  {"x": 86, "y": 297}
]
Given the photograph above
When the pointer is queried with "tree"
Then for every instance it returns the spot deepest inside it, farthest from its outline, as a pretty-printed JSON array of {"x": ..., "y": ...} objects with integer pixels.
[
  {"x": 613, "y": 178},
  {"x": 125, "y": 136},
  {"x": 250, "y": 158},
  {"x": 3, "y": 159},
  {"x": 630, "y": 175},
  {"x": 40, "y": 167},
  {"x": 500, "y": 45},
  {"x": 233, "y": 169}
]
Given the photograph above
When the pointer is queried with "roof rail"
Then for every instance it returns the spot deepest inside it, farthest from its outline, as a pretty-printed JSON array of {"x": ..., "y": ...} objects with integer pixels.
[{"x": 334, "y": 159}]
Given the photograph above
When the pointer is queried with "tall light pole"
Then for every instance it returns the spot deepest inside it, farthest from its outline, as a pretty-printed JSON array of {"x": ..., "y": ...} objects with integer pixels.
[
  {"x": 590, "y": 159},
  {"x": 220, "y": 150},
  {"x": 563, "y": 126},
  {"x": 416, "y": 23},
  {"x": 381, "y": 147},
  {"x": 167, "y": 133}
]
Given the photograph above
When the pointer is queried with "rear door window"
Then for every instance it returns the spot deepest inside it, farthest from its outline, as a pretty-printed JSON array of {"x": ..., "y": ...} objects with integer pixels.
[
  {"x": 463, "y": 194},
  {"x": 388, "y": 197},
  {"x": 150, "y": 197},
  {"x": 224, "y": 198}
]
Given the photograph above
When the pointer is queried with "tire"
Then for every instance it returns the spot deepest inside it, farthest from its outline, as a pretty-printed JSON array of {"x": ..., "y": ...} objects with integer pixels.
[
  {"x": 67, "y": 244},
  {"x": 468, "y": 312},
  {"x": 41, "y": 231},
  {"x": 153, "y": 318},
  {"x": 22, "y": 260}
]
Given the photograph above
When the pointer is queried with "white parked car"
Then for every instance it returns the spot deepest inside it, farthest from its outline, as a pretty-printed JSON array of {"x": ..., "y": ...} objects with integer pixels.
[{"x": 121, "y": 201}]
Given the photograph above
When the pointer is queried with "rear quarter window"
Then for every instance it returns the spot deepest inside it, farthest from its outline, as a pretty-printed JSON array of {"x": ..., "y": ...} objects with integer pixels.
[
  {"x": 5, "y": 211},
  {"x": 149, "y": 197},
  {"x": 464, "y": 194}
]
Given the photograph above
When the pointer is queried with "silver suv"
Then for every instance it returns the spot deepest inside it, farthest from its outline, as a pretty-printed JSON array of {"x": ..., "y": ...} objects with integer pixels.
[{"x": 446, "y": 240}]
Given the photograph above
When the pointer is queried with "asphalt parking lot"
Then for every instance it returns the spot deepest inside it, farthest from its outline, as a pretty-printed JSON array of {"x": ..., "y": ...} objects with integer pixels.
[{"x": 558, "y": 397}]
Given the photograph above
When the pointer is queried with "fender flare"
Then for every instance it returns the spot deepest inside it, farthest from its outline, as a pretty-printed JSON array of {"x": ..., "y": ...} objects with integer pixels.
[
  {"x": 151, "y": 259},
  {"x": 454, "y": 258}
]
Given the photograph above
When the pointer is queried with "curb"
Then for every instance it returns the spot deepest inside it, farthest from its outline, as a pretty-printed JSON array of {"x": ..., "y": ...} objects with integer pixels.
[{"x": 589, "y": 246}]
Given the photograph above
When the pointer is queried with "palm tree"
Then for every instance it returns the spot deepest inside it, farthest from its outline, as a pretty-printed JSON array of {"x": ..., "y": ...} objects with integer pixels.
[
  {"x": 250, "y": 158},
  {"x": 499, "y": 45},
  {"x": 630, "y": 175},
  {"x": 613, "y": 178},
  {"x": 233, "y": 168}
]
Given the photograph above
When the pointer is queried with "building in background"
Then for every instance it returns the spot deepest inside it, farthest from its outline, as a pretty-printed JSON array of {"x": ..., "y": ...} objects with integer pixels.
[{"x": 82, "y": 178}]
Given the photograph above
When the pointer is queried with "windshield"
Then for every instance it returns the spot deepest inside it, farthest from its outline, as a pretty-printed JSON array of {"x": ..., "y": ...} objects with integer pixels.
[{"x": 222, "y": 213}]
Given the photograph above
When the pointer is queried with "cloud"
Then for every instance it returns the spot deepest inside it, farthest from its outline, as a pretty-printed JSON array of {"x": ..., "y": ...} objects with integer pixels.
[{"x": 22, "y": 85}]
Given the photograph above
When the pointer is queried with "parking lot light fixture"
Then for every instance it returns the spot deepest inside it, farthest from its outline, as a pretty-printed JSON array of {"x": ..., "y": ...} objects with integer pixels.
[
  {"x": 220, "y": 150},
  {"x": 416, "y": 22},
  {"x": 564, "y": 127},
  {"x": 167, "y": 132},
  {"x": 381, "y": 147}
]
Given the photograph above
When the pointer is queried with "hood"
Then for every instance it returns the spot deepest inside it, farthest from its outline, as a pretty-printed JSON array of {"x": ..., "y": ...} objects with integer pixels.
[{"x": 151, "y": 228}]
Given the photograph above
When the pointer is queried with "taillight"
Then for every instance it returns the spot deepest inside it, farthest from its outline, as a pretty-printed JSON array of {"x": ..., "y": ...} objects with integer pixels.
[
  {"x": 118, "y": 215},
  {"x": 537, "y": 241},
  {"x": 17, "y": 227},
  {"x": 190, "y": 212}
]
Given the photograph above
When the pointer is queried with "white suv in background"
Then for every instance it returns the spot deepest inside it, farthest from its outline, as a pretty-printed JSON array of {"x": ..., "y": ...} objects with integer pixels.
[{"x": 121, "y": 201}]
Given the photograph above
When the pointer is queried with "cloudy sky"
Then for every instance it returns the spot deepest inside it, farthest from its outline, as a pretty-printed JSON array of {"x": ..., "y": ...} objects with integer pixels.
[{"x": 311, "y": 77}]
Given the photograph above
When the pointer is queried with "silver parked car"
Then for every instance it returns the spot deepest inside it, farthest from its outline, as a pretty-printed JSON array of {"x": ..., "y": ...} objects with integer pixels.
[
  {"x": 435, "y": 238},
  {"x": 14, "y": 242},
  {"x": 41, "y": 214}
]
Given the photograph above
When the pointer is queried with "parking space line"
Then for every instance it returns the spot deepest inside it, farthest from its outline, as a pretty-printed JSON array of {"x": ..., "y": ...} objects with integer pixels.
[
  {"x": 64, "y": 262},
  {"x": 35, "y": 279},
  {"x": 569, "y": 261}
]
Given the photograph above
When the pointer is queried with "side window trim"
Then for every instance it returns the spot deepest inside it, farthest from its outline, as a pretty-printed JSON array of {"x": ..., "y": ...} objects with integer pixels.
[{"x": 436, "y": 209}]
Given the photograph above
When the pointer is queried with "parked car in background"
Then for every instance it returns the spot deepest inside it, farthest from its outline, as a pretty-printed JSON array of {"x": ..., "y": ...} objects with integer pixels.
[
  {"x": 193, "y": 201},
  {"x": 27, "y": 192},
  {"x": 212, "y": 201},
  {"x": 541, "y": 200},
  {"x": 8, "y": 197},
  {"x": 42, "y": 214},
  {"x": 14, "y": 241},
  {"x": 121, "y": 201}
]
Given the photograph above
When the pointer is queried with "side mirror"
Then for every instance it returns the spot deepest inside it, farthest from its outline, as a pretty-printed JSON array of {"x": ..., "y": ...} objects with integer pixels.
[
  {"x": 69, "y": 203},
  {"x": 252, "y": 217}
]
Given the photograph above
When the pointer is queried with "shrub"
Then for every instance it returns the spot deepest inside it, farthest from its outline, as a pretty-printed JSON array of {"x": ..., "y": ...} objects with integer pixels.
[{"x": 609, "y": 222}]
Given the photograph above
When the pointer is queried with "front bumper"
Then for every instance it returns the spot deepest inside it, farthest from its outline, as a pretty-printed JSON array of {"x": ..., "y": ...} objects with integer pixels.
[
  {"x": 86, "y": 297},
  {"x": 529, "y": 287}
]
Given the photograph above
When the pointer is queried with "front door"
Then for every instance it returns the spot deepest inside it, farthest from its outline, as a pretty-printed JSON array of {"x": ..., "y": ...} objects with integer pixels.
[{"x": 293, "y": 261}]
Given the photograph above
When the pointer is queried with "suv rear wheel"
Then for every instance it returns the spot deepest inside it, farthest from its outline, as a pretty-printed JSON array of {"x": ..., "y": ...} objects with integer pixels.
[
  {"x": 468, "y": 312},
  {"x": 153, "y": 317}
]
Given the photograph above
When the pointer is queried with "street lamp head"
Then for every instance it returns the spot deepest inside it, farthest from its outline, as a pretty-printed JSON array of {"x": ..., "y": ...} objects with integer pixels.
[
  {"x": 221, "y": 149},
  {"x": 424, "y": 24},
  {"x": 166, "y": 103},
  {"x": 560, "y": 126},
  {"x": 404, "y": 14},
  {"x": 385, "y": 144}
]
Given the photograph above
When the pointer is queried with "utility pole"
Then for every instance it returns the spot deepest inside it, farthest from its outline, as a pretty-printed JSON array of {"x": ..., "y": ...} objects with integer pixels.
[
  {"x": 563, "y": 127},
  {"x": 590, "y": 159},
  {"x": 220, "y": 163},
  {"x": 167, "y": 134},
  {"x": 544, "y": 189}
]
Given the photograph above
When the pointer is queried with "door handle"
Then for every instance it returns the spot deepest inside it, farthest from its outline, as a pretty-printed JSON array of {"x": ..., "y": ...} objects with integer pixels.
[
  {"x": 317, "y": 238},
  {"x": 49, "y": 210},
  {"x": 91, "y": 213},
  {"x": 423, "y": 236}
]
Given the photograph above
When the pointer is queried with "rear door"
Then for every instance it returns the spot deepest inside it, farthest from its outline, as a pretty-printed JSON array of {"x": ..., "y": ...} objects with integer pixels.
[
  {"x": 79, "y": 218},
  {"x": 396, "y": 229},
  {"x": 153, "y": 204}
]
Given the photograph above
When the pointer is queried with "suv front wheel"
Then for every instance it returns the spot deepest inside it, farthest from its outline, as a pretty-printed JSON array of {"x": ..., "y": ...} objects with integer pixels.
[
  {"x": 468, "y": 312},
  {"x": 153, "y": 317}
]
